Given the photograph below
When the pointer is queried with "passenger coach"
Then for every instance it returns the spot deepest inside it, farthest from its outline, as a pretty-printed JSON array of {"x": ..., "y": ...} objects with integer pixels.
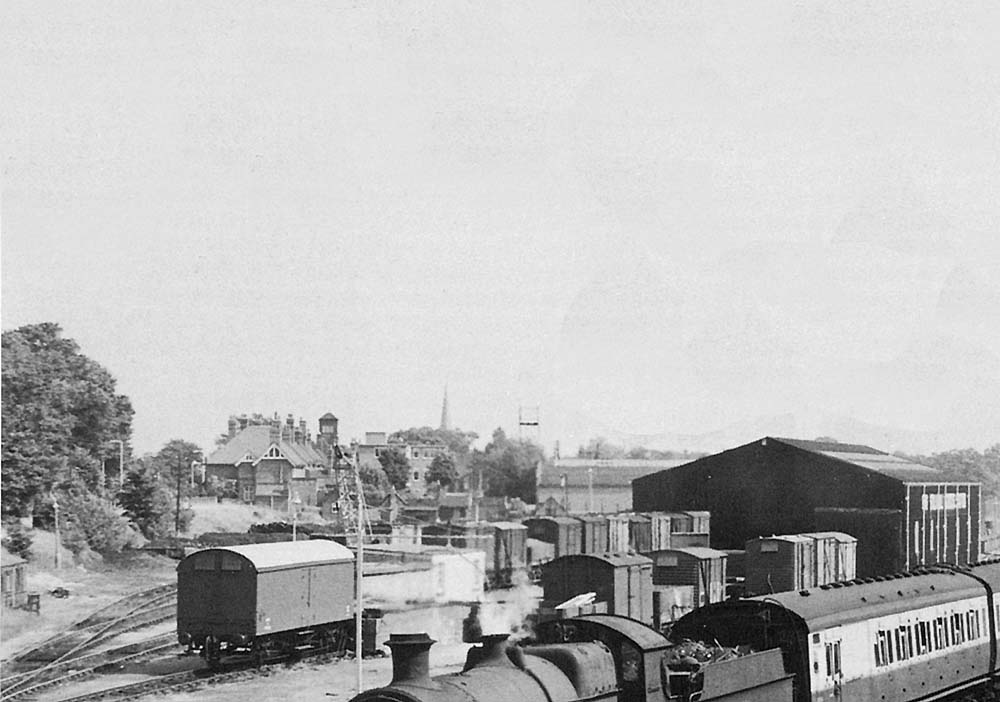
[{"x": 915, "y": 636}]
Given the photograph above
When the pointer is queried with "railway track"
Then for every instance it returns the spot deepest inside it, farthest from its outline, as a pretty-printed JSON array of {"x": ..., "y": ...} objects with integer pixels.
[
  {"x": 55, "y": 674},
  {"x": 71, "y": 654},
  {"x": 182, "y": 681},
  {"x": 129, "y": 613}
]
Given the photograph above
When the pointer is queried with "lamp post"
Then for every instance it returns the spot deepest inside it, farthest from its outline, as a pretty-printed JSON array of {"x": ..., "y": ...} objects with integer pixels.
[
  {"x": 295, "y": 514},
  {"x": 121, "y": 461}
]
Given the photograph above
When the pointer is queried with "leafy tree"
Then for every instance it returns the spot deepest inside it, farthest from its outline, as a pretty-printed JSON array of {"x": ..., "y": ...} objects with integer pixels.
[
  {"x": 172, "y": 467},
  {"x": 508, "y": 467},
  {"x": 458, "y": 442},
  {"x": 92, "y": 522},
  {"x": 599, "y": 447},
  {"x": 18, "y": 541},
  {"x": 148, "y": 502},
  {"x": 374, "y": 483},
  {"x": 442, "y": 471},
  {"x": 395, "y": 466},
  {"x": 967, "y": 464},
  {"x": 60, "y": 414}
]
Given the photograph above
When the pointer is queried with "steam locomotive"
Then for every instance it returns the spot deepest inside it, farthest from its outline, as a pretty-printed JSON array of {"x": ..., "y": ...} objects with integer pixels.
[{"x": 925, "y": 635}]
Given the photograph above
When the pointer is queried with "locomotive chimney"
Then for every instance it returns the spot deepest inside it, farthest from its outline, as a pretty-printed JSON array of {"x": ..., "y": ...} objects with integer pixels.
[
  {"x": 493, "y": 652},
  {"x": 411, "y": 659}
]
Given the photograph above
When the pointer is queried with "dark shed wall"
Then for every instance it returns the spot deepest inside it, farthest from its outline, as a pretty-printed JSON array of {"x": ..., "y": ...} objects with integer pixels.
[{"x": 764, "y": 488}]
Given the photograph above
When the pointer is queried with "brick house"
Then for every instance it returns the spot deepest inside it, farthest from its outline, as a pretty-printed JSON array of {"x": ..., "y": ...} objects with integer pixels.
[{"x": 269, "y": 464}]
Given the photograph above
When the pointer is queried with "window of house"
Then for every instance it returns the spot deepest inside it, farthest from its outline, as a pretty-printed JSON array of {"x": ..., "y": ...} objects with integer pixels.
[
  {"x": 273, "y": 452},
  {"x": 247, "y": 493},
  {"x": 416, "y": 475}
]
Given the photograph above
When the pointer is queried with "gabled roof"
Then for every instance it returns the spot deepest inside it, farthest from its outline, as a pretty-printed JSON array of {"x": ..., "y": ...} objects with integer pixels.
[
  {"x": 254, "y": 441},
  {"x": 871, "y": 459},
  {"x": 611, "y": 472}
]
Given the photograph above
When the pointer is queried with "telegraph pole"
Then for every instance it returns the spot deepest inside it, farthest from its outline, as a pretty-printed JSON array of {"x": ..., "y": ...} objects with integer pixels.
[
  {"x": 177, "y": 509},
  {"x": 55, "y": 507}
]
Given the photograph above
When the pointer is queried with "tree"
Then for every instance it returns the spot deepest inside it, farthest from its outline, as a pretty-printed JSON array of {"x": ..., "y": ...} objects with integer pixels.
[
  {"x": 147, "y": 501},
  {"x": 396, "y": 467},
  {"x": 442, "y": 471},
  {"x": 374, "y": 483},
  {"x": 458, "y": 442},
  {"x": 508, "y": 467},
  {"x": 18, "y": 541},
  {"x": 967, "y": 464},
  {"x": 172, "y": 466},
  {"x": 599, "y": 447},
  {"x": 60, "y": 415}
]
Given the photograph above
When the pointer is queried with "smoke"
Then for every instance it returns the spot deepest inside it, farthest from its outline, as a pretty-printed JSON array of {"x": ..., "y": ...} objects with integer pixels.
[{"x": 510, "y": 611}]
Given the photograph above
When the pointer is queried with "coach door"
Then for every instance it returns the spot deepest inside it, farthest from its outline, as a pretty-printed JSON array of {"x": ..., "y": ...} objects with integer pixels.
[{"x": 831, "y": 673}]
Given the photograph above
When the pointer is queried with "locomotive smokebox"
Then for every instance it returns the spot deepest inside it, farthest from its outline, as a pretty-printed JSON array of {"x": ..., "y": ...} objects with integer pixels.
[{"x": 411, "y": 659}]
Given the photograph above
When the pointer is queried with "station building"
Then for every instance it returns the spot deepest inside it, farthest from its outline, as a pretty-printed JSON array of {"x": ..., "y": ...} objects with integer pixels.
[{"x": 903, "y": 514}]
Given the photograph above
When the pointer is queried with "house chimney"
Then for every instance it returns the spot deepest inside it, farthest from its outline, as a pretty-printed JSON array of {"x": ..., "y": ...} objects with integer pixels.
[
  {"x": 411, "y": 659},
  {"x": 232, "y": 426}
]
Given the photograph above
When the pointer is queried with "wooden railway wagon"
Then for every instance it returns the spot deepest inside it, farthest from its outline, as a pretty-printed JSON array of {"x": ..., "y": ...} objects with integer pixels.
[
  {"x": 836, "y": 556},
  {"x": 681, "y": 522},
  {"x": 564, "y": 533},
  {"x": 780, "y": 563},
  {"x": 618, "y": 533},
  {"x": 704, "y": 569},
  {"x": 264, "y": 598},
  {"x": 510, "y": 552},
  {"x": 660, "y": 530},
  {"x": 594, "y": 533},
  {"x": 700, "y": 521},
  {"x": 624, "y": 582},
  {"x": 640, "y": 533}
]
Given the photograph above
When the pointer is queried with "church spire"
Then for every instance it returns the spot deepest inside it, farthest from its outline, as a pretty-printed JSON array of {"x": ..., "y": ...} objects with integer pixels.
[{"x": 445, "y": 420}]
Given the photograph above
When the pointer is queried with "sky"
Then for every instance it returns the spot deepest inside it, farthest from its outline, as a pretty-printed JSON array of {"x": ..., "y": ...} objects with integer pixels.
[{"x": 666, "y": 222}]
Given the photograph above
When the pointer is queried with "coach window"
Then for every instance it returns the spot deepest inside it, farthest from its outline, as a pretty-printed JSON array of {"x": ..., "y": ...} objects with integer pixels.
[{"x": 231, "y": 562}]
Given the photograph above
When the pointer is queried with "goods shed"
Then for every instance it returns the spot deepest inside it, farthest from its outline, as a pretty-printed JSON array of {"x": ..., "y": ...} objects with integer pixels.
[{"x": 776, "y": 485}]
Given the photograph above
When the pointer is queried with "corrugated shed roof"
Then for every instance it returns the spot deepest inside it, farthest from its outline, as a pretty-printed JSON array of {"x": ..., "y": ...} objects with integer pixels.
[
  {"x": 872, "y": 459},
  {"x": 289, "y": 554},
  {"x": 616, "y": 472},
  {"x": 255, "y": 440}
]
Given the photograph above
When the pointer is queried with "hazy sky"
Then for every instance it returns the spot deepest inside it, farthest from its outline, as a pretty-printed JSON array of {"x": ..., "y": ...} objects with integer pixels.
[{"x": 643, "y": 217}]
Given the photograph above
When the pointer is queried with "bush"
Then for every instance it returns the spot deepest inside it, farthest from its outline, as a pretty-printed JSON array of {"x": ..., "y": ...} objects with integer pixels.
[
  {"x": 18, "y": 541},
  {"x": 89, "y": 522}
]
